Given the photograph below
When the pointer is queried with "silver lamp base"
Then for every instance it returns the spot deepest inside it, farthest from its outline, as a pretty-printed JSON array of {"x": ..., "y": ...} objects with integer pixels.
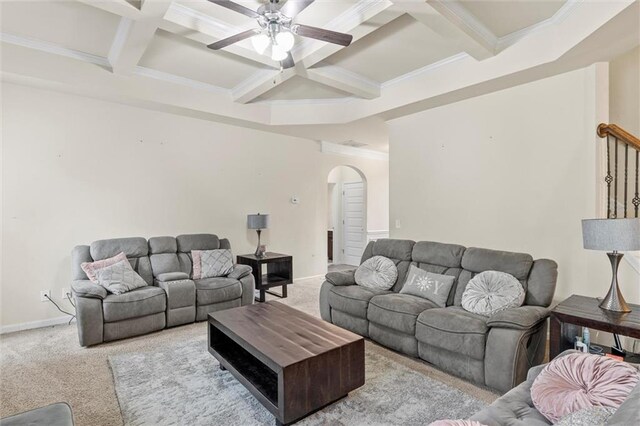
[{"x": 614, "y": 301}]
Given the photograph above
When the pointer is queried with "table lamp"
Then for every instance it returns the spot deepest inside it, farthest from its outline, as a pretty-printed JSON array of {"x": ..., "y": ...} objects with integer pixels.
[
  {"x": 612, "y": 235},
  {"x": 258, "y": 222}
]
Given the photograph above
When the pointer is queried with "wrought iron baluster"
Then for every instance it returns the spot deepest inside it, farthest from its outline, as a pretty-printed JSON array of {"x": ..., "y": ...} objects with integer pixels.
[
  {"x": 636, "y": 199},
  {"x": 626, "y": 168},
  {"x": 608, "y": 179},
  {"x": 615, "y": 180}
]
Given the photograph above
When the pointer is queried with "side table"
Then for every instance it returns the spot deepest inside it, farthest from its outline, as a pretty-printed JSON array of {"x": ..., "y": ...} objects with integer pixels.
[
  {"x": 279, "y": 272},
  {"x": 568, "y": 318}
]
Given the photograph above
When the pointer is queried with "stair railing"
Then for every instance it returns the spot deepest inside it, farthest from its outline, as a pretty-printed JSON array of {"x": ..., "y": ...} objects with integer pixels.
[{"x": 621, "y": 140}]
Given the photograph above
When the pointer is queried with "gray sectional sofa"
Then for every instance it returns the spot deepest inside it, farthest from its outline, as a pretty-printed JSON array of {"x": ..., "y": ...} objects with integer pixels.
[
  {"x": 492, "y": 351},
  {"x": 171, "y": 297}
]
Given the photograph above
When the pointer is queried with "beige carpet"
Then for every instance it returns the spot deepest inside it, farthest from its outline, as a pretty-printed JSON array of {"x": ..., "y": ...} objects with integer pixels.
[{"x": 39, "y": 367}]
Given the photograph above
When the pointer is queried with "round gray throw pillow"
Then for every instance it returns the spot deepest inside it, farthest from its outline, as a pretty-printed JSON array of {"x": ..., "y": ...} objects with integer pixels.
[
  {"x": 377, "y": 273},
  {"x": 492, "y": 291}
]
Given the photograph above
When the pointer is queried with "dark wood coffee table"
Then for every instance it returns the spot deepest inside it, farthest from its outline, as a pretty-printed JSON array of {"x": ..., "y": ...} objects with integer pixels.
[{"x": 292, "y": 362}]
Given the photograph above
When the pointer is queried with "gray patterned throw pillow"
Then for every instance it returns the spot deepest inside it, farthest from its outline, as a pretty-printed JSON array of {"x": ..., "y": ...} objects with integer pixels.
[
  {"x": 211, "y": 263},
  {"x": 430, "y": 286},
  {"x": 119, "y": 278}
]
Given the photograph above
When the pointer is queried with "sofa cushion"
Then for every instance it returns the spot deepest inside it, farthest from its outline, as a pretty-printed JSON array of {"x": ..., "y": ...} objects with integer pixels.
[
  {"x": 453, "y": 329},
  {"x": 432, "y": 253},
  {"x": 216, "y": 290},
  {"x": 133, "y": 304},
  {"x": 393, "y": 249},
  {"x": 132, "y": 247},
  {"x": 352, "y": 299},
  {"x": 397, "y": 311},
  {"x": 479, "y": 260},
  {"x": 159, "y": 245},
  {"x": 187, "y": 243},
  {"x": 377, "y": 273}
]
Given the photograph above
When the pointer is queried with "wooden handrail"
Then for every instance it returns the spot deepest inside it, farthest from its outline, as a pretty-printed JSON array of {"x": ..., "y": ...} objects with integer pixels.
[{"x": 611, "y": 129}]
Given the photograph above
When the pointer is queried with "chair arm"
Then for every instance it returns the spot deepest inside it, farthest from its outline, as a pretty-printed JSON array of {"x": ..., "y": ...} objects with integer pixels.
[
  {"x": 522, "y": 318},
  {"x": 240, "y": 271},
  {"x": 85, "y": 288},
  {"x": 341, "y": 278},
  {"x": 172, "y": 276}
]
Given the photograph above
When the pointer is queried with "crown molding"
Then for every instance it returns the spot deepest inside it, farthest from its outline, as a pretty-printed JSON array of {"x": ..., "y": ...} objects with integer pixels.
[
  {"x": 337, "y": 149},
  {"x": 424, "y": 70},
  {"x": 562, "y": 13},
  {"x": 55, "y": 49}
]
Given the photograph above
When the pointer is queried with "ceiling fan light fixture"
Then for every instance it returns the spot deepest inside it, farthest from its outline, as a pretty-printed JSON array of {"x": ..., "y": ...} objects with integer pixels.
[
  {"x": 260, "y": 43},
  {"x": 278, "y": 53},
  {"x": 285, "y": 40}
]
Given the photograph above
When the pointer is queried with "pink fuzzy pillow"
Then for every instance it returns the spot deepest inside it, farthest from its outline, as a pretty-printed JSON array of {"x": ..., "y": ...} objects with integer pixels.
[
  {"x": 577, "y": 381},
  {"x": 92, "y": 268},
  {"x": 456, "y": 423}
]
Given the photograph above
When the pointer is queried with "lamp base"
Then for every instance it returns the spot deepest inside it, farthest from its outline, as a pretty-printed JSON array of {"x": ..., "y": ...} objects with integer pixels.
[
  {"x": 259, "y": 253},
  {"x": 614, "y": 301}
]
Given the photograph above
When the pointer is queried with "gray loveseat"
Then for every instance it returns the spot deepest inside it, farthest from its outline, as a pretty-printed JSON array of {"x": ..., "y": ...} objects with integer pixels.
[
  {"x": 495, "y": 352},
  {"x": 516, "y": 407},
  {"x": 171, "y": 297}
]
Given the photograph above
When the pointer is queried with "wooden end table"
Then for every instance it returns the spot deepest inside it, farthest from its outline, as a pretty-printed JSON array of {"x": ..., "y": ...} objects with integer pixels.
[
  {"x": 279, "y": 272},
  {"x": 293, "y": 363},
  {"x": 568, "y": 318}
]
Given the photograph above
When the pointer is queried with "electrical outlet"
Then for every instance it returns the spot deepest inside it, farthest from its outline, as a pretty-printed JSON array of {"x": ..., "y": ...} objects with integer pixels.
[
  {"x": 397, "y": 223},
  {"x": 65, "y": 290},
  {"x": 44, "y": 294}
]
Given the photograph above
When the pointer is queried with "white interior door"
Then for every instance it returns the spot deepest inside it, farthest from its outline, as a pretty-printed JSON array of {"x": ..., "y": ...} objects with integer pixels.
[{"x": 353, "y": 225}]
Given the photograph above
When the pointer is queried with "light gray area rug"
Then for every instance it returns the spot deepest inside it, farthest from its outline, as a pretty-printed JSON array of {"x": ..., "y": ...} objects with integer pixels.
[{"x": 183, "y": 385}]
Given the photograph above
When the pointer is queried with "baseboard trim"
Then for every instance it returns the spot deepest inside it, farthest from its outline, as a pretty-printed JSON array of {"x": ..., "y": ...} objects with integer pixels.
[
  {"x": 309, "y": 277},
  {"x": 33, "y": 324}
]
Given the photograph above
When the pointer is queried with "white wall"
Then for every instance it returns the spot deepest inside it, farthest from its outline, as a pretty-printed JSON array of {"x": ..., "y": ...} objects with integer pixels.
[
  {"x": 76, "y": 169},
  {"x": 512, "y": 170},
  {"x": 624, "y": 95}
]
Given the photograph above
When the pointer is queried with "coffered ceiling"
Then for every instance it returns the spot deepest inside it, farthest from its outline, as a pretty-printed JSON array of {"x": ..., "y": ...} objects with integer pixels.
[{"x": 404, "y": 53}]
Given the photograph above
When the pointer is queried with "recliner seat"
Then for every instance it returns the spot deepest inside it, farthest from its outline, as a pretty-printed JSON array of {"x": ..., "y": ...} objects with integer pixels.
[{"x": 492, "y": 351}]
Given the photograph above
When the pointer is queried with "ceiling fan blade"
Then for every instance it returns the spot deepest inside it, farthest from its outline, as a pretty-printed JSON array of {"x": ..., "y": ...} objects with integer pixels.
[
  {"x": 233, "y": 39},
  {"x": 292, "y": 7},
  {"x": 237, "y": 8},
  {"x": 321, "y": 34},
  {"x": 288, "y": 62}
]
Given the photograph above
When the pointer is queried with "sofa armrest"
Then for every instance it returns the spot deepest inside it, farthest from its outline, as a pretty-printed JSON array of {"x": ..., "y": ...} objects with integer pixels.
[
  {"x": 240, "y": 271},
  {"x": 521, "y": 318},
  {"x": 341, "y": 278},
  {"x": 172, "y": 276},
  {"x": 535, "y": 371},
  {"x": 85, "y": 288}
]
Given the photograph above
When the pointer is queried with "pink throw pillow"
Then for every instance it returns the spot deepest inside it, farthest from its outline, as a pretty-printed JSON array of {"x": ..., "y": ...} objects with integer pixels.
[
  {"x": 577, "y": 381},
  {"x": 456, "y": 423},
  {"x": 92, "y": 268}
]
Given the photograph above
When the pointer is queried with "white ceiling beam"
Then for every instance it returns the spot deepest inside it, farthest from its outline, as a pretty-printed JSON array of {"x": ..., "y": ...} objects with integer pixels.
[
  {"x": 134, "y": 36},
  {"x": 481, "y": 41},
  {"x": 259, "y": 84},
  {"x": 117, "y": 7},
  {"x": 205, "y": 29},
  {"x": 344, "y": 80},
  {"x": 309, "y": 52}
]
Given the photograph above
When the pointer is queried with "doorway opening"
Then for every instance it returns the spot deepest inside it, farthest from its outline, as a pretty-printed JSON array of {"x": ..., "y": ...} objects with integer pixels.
[{"x": 346, "y": 217}]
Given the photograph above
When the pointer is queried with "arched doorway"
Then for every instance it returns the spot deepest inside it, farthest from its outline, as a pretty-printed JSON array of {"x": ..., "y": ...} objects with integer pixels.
[{"x": 346, "y": 216}]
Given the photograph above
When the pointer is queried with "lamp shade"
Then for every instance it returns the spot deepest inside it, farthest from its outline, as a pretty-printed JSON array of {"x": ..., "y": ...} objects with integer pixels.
[
  {"x": 257, "y": 221},
  {"x": 611, "y": 234}
]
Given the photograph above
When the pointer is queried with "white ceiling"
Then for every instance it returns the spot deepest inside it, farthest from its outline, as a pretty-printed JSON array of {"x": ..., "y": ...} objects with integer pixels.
[{"x": 404, "y": 54}]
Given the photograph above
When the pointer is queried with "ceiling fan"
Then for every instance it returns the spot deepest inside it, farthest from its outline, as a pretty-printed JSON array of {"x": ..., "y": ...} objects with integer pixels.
[{"x": 277, "y": 29}]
